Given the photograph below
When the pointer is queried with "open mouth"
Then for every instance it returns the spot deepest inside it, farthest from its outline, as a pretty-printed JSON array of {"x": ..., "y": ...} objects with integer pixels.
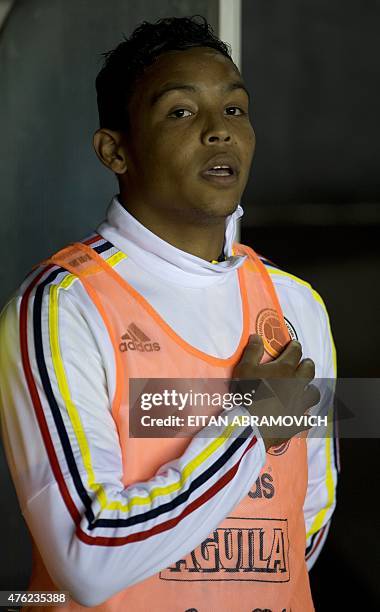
[
  {"x": 220, "y": 171},
  {"x": 221, "y": 175}
]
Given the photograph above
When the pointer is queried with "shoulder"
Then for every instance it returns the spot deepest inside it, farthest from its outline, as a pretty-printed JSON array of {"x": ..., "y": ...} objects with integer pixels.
[
  {"x": 47, "y": 278},
  {"x": 298, "y": 287},
  {"x": 50, "y": 322},
  {"x": 49, "y": 292},
  {"x": 289, "y": 283},
  {"x": 305, "y": 313}
]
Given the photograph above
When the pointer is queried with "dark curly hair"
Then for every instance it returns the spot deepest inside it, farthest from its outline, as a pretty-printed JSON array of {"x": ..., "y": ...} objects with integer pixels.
[{"x": 126, "y": 64}]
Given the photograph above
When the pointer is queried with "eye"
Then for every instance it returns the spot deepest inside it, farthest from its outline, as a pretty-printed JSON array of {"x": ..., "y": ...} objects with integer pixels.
[
  {"x": 234, "y": 108},
  {"x": 180, "y": 113}
]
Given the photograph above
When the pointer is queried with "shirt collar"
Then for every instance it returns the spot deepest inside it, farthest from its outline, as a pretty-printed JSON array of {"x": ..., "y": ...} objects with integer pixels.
[{"x": 157, "y": 256}]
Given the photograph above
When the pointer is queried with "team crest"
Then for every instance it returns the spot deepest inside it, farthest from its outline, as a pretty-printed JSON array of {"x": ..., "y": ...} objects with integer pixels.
[{"x": 269, "y": 327}]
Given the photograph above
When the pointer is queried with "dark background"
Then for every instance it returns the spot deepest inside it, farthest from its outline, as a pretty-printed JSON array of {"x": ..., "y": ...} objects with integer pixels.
[
  {"x": 312, "y": 204},
  {"x": 312, "y": 207}
]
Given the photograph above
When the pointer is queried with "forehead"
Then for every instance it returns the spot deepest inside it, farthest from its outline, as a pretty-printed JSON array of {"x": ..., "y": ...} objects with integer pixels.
[{"x": 201, "y": 65}]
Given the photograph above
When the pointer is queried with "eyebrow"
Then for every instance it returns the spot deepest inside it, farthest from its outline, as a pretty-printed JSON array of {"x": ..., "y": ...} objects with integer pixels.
[{"x": 194, "y": 89}]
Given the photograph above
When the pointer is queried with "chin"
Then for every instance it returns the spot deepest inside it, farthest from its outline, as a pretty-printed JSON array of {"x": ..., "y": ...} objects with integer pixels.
[
  {"x": 212, "y": 209},
  {"x": 221, "y": 208}
]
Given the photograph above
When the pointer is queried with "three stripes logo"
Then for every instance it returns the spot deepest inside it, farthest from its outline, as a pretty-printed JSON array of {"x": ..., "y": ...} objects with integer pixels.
[{"x": 135, "y": 340}]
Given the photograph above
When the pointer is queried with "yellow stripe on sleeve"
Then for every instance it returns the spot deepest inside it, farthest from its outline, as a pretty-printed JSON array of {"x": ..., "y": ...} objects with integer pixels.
[{"x": 319, "y": 519}]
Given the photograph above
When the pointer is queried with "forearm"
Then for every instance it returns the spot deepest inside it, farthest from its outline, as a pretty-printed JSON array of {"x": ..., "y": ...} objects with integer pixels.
[{"x": 153, "y": 523}]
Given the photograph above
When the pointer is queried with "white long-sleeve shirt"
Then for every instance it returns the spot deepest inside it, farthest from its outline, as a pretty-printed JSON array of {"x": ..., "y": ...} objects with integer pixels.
[{"x": 57, "y": 366}]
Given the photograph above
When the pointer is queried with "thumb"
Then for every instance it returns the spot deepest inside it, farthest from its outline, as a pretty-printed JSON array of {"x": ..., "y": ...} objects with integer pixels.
[{"x": 253, "y": 351}]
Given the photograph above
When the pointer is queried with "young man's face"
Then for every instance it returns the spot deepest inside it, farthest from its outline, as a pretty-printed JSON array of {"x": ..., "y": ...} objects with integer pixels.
[{"x": 189, "y": 113}]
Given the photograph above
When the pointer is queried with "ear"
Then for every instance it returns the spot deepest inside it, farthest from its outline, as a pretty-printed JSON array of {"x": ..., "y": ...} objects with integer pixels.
[{"x": 110, "y": 150}]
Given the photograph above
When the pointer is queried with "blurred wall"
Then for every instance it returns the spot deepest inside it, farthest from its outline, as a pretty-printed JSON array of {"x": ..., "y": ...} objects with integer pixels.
[
  {"x": 312, "y": 69},
  {"x": 313, "y": 206}
]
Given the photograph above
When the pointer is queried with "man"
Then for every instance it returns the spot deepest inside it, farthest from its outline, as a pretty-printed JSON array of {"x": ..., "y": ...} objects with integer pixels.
[{"x": 160, "y": 291}]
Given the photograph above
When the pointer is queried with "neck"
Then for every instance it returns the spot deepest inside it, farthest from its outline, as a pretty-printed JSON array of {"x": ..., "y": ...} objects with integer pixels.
[{"x": 203, "y": 238}]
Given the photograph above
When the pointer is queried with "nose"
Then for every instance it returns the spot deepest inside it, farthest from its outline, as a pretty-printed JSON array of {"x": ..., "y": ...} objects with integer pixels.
[{"x": 216, "y": 130}]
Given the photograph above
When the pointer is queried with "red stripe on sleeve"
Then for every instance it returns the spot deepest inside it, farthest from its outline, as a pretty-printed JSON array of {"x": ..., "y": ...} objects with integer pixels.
[
  {"x": 316, "y": 543},
  {"x": 37, "y": 402}
]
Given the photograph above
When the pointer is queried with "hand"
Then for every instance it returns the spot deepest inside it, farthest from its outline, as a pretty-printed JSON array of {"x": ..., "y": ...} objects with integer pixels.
[{"x": 284, "y": 390}]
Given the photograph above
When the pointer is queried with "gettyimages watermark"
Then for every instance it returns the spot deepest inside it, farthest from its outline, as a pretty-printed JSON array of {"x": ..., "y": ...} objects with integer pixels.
[
  {"x": 191, "y": 400},
  {"x": 165, "y": 408}
]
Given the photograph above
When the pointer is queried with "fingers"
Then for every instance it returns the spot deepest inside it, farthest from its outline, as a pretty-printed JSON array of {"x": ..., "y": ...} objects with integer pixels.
[
  {"x": 306, "y": 370},
  {"x": 253, "y": 352},
  {"x": 290, "y": 356},
  {"x": 311, "y": 396},
  {"x": 286, "y": 366}
]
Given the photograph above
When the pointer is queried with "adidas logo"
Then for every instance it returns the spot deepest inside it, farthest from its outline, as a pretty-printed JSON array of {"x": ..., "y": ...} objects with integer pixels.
[{"x": 135, "y": 340}]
